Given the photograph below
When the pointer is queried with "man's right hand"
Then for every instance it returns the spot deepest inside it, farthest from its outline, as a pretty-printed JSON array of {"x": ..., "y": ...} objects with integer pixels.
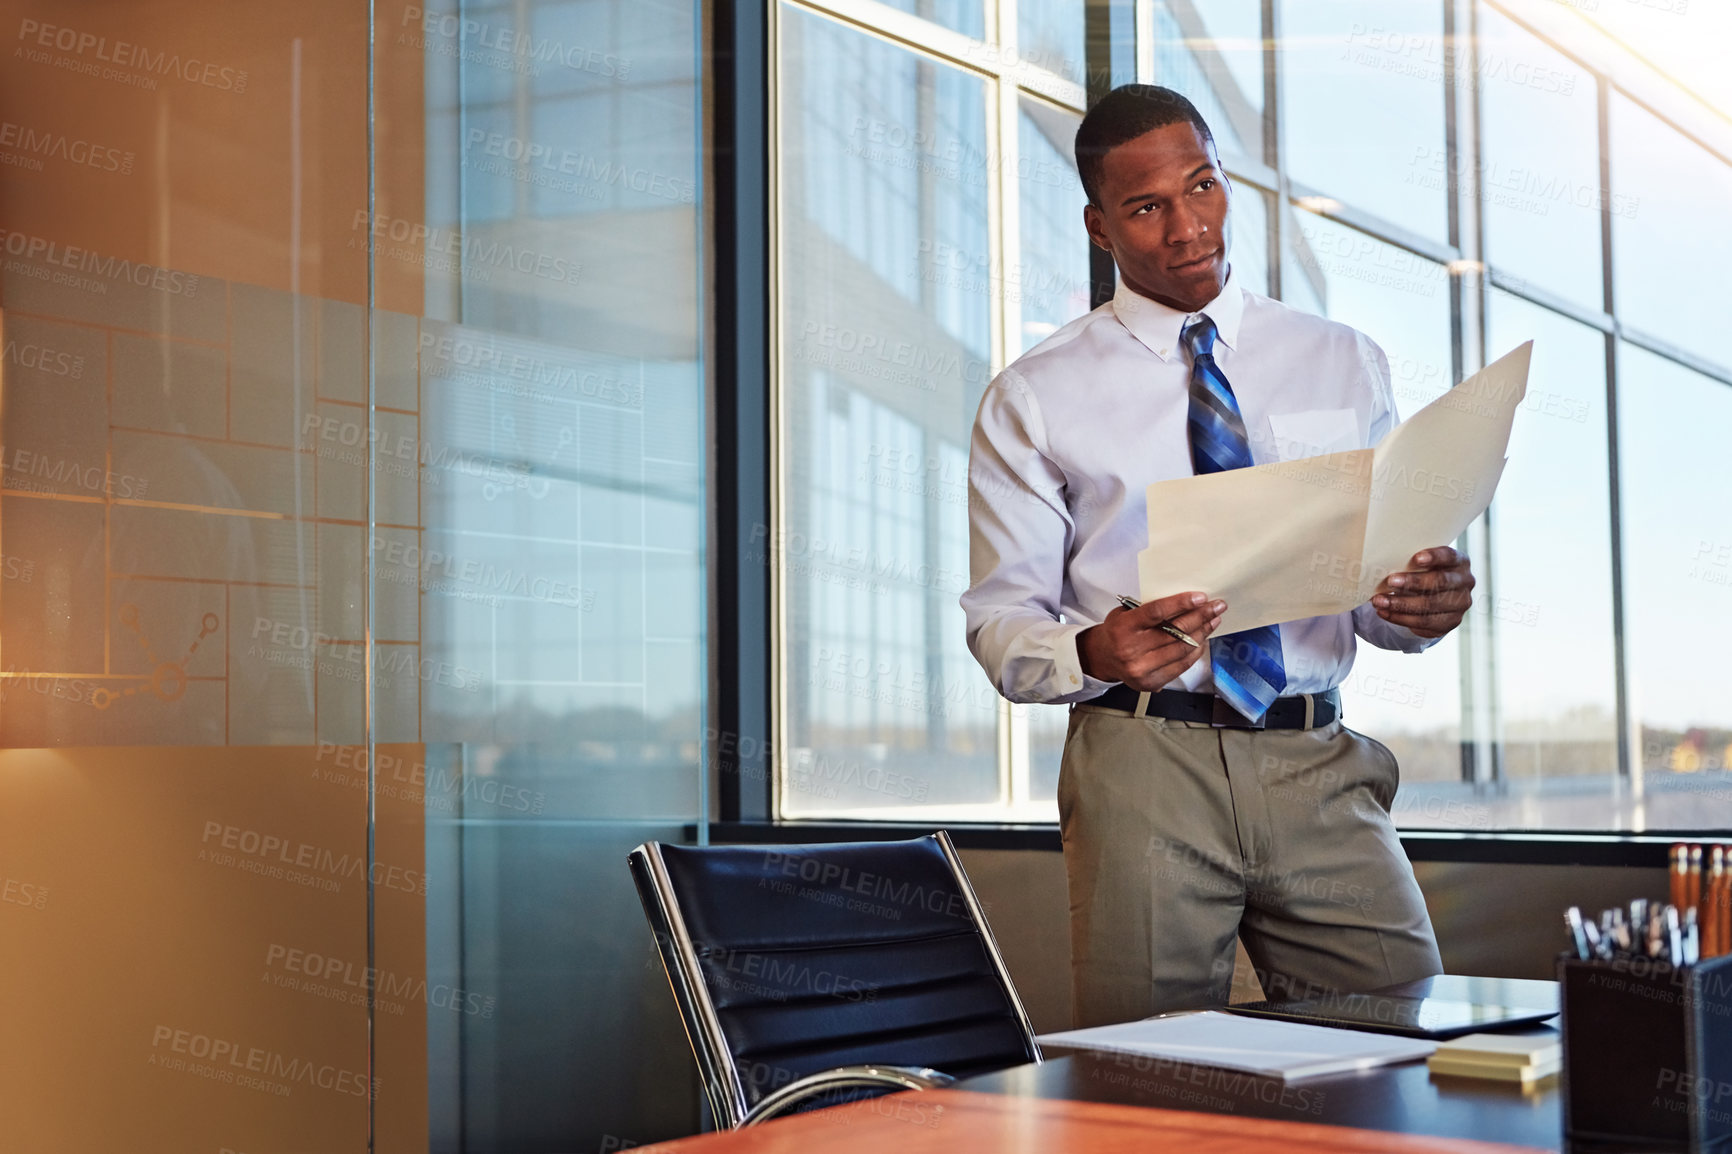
[{"x": 1130, "y": 646}]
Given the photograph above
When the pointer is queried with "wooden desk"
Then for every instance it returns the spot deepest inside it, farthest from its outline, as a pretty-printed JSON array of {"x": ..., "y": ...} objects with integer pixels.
[
  {"x": 1119, "y": 1103},
  {"x": 966, "y": 1122}
]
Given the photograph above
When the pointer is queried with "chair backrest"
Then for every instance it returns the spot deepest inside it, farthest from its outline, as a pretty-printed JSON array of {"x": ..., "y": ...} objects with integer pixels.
[{"x": 793, "y": 959}]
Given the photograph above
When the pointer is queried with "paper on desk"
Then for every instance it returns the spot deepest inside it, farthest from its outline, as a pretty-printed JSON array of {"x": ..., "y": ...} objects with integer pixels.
[
  {"x": 1317, "y": 536},
  {"x": 1274, "y": 1049}
]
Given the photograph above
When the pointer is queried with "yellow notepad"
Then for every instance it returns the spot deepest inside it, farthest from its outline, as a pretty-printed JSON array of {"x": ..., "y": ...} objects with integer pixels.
[
  {"x": 1495, "y": 1071},
  {"x": 1500, "y": 1057},
  {"x": 1526, "y": 1049}
]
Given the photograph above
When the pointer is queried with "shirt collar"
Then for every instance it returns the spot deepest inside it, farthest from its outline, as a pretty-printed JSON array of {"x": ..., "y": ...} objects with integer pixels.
[{"x": 1158, "y": 327}]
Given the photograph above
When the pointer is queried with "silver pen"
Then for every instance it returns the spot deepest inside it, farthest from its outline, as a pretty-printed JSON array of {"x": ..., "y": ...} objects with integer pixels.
[{"x": 1167, "y": 627}]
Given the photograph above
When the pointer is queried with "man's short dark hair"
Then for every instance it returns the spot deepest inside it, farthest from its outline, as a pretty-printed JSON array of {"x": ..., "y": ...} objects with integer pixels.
[{"x": 1122, "y": 115}]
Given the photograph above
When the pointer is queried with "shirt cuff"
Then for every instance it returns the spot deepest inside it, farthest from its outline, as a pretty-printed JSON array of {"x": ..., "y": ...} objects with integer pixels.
[
  {"x": 1073, "y": 683},
  {"x": 1387, "y": 634}
]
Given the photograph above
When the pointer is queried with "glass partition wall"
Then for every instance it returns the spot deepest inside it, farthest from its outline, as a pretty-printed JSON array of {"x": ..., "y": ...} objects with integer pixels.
[
  {"x": 353, "y": 597},
  {"x": 1448, "y": 176}
]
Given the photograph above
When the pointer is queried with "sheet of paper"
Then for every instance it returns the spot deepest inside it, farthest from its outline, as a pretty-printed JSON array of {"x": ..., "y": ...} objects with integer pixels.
[
  {"x": 1289, "y": 1050},
  {"x": 1237, "y": 535},
  {"x": 1315, "y": 536},
  {"x": 1437, "y": 471}
]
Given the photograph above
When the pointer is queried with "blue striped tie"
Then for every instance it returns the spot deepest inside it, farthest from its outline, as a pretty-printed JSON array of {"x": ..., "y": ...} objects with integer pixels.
[{"x": 1249, "y": 675}]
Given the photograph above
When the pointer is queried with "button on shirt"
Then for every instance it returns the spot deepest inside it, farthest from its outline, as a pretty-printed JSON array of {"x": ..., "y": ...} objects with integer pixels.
[{"x": 1070, "y": 436}]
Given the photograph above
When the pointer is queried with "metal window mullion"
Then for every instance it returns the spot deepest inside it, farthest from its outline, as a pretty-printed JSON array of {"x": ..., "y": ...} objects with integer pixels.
[
  {"x": 1005, "y": 214},
  {"x": 1098, "y": 74},
  {"x": 1481, "y": 714},
  {"x": 370, "y": 734},
  {"x": 1666, "y": 350},
  {"x": 1316, "y": 200},
  {"x": 1629, "y": 727},
  {"x": 780, "y": 723},
  {"x": 1517, "y": 286},
  {"x": 1274, "y": 143}
]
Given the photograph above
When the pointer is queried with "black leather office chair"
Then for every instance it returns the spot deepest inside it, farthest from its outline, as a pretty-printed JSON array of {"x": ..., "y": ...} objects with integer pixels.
[{"x": 805, "y": 971}]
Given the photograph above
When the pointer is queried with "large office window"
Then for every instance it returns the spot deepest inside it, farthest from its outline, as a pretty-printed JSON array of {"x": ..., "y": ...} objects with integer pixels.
[
  {"x": 888, "y": 332},
  {"x": 1556, "y": 647},
  {"x": 1402, "y": 301},
  {"x": 1670, "y": 231},
  {"x": 1677, "y": 556},
  {"x": 1364, "y": 121},
  {"x": 1442, "y": 175},
  {"x": 1539, "y": 178},
  {"x": 930, "y": 230}
]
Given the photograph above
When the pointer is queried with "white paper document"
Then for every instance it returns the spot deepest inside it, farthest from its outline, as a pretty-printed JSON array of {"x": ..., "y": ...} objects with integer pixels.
[
  {"x": 1317, "y": 536},
  {"x": 1274, "y": 1049}
]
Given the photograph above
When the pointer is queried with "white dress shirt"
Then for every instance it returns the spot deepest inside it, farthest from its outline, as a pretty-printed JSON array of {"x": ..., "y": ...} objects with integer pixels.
[{"x": 1070, "y": 436}]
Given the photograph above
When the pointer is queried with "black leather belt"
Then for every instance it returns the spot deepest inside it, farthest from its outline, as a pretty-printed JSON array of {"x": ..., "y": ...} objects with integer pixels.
[{"x": 1207, "y": 709}]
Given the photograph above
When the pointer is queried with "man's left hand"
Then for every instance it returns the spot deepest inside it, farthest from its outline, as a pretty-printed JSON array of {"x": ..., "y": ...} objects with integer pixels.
[{"x": 1431, "y": 596}]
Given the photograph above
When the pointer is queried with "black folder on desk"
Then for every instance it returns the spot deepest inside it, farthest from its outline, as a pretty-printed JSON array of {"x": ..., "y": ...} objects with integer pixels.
[{"x": 1397, "y": 1014}]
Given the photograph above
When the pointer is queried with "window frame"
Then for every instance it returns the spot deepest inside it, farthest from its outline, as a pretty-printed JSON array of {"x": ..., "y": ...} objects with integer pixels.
[{"x": 748, "y": 409}]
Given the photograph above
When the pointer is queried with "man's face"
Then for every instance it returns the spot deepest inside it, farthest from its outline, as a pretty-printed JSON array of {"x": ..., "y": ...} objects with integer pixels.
[{"x": 1163, "y": 216}]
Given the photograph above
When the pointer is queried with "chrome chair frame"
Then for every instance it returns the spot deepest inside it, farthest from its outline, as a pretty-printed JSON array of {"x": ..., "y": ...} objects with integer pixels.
[{"x": 717, "y": 1066}]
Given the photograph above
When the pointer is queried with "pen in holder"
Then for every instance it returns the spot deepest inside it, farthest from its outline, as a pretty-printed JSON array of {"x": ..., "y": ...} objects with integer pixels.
[{"x": 1647, "y": 1051}]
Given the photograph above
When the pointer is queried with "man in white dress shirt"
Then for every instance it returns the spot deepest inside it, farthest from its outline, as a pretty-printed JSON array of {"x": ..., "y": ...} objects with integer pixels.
[{"x": 1192, "y": 813}]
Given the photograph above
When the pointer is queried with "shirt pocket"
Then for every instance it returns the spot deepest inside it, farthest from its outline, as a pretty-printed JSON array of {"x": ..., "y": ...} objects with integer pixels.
[{"x": 1315, "y": 432}]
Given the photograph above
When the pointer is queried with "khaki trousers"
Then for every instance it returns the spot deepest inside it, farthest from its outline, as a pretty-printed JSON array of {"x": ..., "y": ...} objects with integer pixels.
[{"x": 1179, "y": 837}]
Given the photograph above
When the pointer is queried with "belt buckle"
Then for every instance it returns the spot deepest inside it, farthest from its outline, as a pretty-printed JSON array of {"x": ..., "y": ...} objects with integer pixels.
[{"x": 1226, "y": 717}]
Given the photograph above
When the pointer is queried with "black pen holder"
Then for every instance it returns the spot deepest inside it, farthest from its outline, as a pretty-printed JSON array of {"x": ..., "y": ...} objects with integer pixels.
[{"x": 1647, "y": 1053}]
